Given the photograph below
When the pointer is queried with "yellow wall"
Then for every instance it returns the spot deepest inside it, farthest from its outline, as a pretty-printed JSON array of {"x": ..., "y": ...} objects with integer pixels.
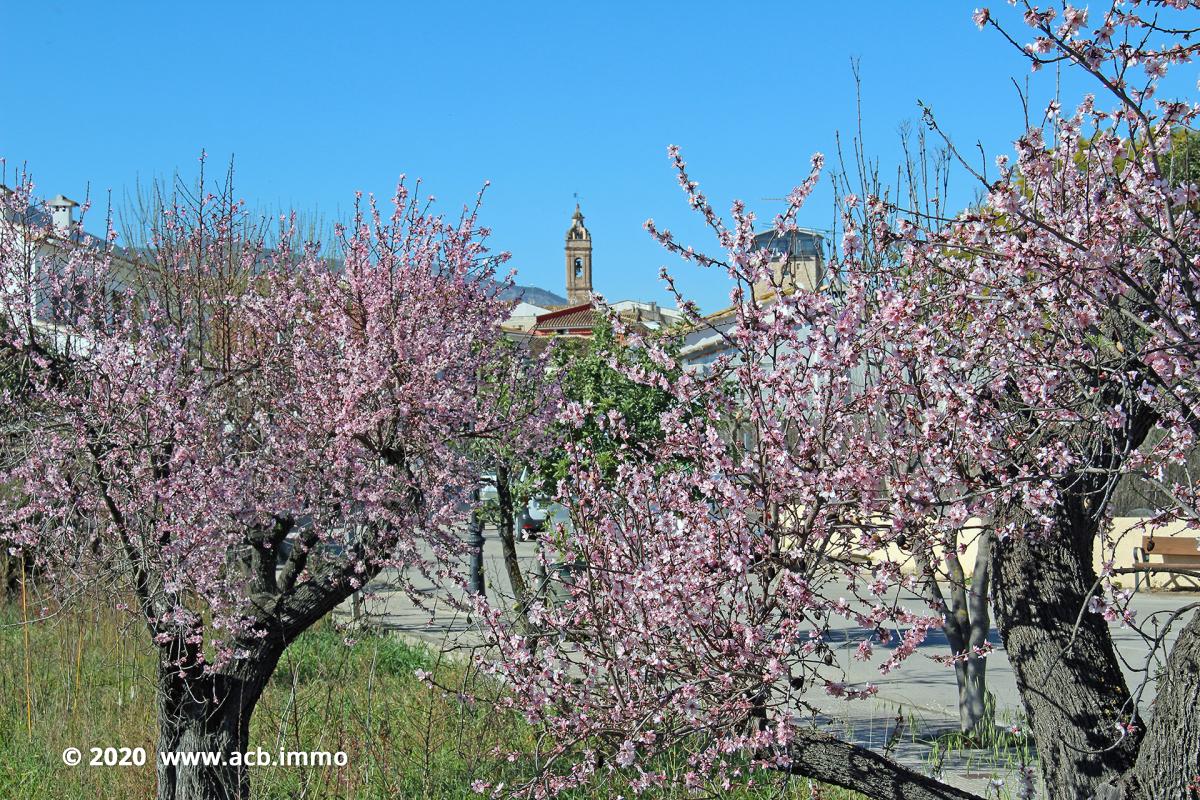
[{"x": 1127, "y": 533}]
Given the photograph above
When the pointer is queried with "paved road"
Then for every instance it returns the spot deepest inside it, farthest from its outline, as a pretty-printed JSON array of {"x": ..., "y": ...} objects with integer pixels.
[{"x": 923, "y": 692}]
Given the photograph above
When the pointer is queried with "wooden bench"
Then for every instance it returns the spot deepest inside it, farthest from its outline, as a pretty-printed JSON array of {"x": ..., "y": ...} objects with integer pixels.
[{"x": 1180, "y": 557}]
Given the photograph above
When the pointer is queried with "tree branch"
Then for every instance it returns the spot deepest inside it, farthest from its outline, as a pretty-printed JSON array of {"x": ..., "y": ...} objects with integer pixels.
[{"x": 826, "y": 758}]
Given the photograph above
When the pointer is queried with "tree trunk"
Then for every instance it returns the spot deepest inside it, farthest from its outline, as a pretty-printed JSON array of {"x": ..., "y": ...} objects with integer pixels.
[
  {"x": 1168, "y": 764},
  {"x": 967, "y": 625},
  {"x": 207, "y": 714},
  {"x": 1063, "y": 657},
  {"x": 976, "y": 706},
  {"x": 506, "y": 527}
]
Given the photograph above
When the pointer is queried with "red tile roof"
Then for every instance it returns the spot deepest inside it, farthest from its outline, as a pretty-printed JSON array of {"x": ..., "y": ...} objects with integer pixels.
[{"x": 577, "y": 317}]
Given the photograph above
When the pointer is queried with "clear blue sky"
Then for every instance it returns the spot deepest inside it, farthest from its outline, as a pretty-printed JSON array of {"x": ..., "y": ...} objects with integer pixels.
[{"x": 317, "y": 100}]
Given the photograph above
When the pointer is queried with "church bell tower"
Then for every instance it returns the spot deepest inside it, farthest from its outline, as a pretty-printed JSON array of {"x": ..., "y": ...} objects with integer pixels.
[{"x": 579, "y": 261}]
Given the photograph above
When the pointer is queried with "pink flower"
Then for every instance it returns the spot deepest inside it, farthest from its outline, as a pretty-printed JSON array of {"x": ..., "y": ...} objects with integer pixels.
[{"x": 626, "y": 754}]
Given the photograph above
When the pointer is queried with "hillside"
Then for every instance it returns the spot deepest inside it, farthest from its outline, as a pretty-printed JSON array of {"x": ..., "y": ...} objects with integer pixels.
[{"x": 534, "y": 295}]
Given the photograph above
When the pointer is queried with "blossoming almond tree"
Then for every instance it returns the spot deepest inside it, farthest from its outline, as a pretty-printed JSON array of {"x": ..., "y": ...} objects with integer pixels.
[
  {"x": 1009, "y": 364},
  {"x": 1081, "y": 266},
  {"x": 711, "y": 578},
  {"x": 241, "y": 435}
]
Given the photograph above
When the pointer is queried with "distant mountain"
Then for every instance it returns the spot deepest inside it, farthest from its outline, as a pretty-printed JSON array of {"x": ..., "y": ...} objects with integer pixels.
[{"x": 534, "y": 295}]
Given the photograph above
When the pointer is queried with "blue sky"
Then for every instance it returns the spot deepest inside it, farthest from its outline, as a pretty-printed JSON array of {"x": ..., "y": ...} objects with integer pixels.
[{"x": 316, "y": 100}]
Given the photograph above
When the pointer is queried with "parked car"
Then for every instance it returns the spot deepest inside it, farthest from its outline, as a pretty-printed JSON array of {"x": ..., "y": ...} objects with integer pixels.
[
  {"x": 531, "y": 519},
  {"x": 540, "y": 515},
  {"x": 557, "y": 577},
  {"x": 527, "y": 526}
]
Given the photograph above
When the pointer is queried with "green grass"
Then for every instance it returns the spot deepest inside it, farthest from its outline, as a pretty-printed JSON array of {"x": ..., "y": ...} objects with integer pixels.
[{"x": 90, "y": 682}]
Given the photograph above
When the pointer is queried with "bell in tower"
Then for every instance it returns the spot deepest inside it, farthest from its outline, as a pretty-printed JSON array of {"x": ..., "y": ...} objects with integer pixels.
[{"x": 579, "y": 261}]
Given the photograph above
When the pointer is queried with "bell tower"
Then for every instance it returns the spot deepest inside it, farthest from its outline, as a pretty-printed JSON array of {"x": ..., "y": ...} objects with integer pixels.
[{"x": 579, "y": 261}]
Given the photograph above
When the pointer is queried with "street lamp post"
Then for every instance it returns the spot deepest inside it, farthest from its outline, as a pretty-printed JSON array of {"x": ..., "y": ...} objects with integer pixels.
[{"x": 475, "y": 544}]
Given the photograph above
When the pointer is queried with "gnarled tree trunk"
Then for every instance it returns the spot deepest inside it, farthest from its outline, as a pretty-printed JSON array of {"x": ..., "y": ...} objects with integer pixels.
[
  {"x": 1062, "y": 655},
  {"x": 1168, "y": 764},
  {"x": 826, "y": 758},
  {"x": 209, "y": 716}
]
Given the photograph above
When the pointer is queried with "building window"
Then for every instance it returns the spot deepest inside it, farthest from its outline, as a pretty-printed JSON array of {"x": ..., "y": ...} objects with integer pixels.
[{"x": 579, "y": 268}]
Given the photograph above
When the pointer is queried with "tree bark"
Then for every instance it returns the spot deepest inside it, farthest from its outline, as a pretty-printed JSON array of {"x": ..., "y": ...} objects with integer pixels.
[
  {"x": 967, "y": 624},
  {"x": 211, "y": 713},
  {"x": 506, "y": 528},
  {"x": 1168, "y": 764},
  {"x": 826, "y": 758},
  {"x": 977, "y": 706},
  {"x": 208, "y": 714},
  {"x": 1062, "y": 655}
]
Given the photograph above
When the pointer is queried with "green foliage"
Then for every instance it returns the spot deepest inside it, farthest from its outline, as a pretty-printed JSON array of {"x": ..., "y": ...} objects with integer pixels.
[
  {"x": 1182, "y": 164},
  {"x": 588, "y": 378}
]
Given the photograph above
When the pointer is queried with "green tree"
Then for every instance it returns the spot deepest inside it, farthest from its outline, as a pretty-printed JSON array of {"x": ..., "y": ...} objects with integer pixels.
[{"x": 585, "y": 368}]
